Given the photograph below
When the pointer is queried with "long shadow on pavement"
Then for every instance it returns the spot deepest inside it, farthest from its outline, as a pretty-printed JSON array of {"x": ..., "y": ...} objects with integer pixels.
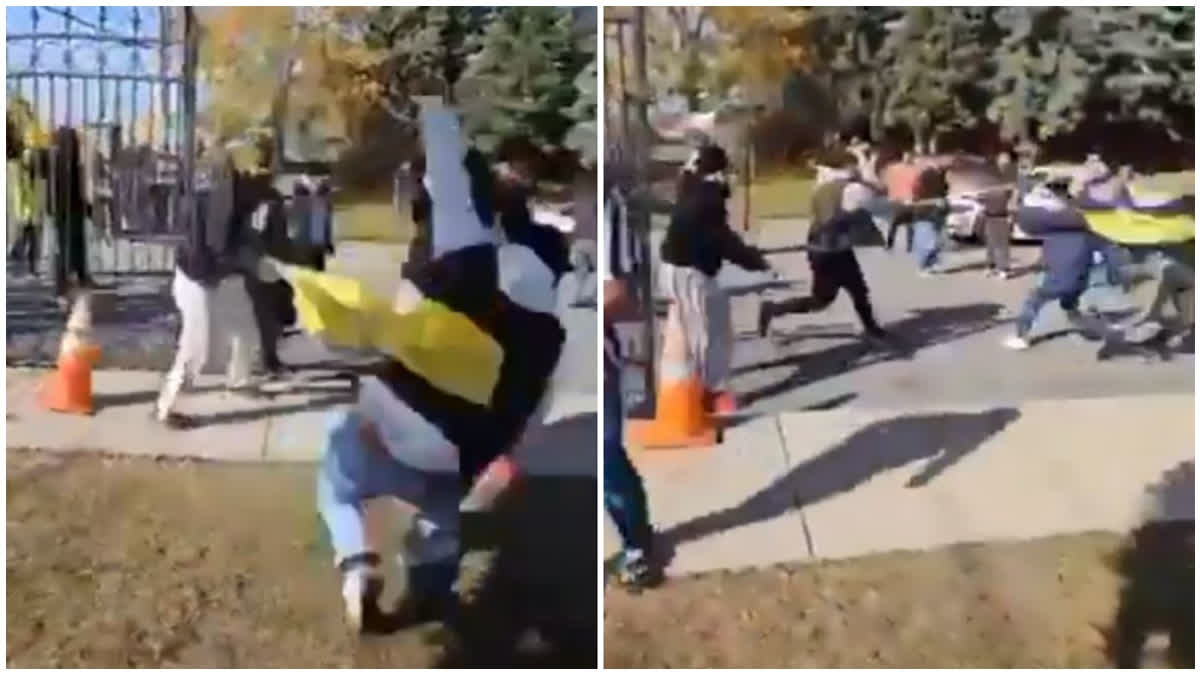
[
  {"x": 1158, "y": 565},
  {"x": 535, "y": 605},
  {"x": 924, "y": 328},
  {"x": 942, "y": 439}
]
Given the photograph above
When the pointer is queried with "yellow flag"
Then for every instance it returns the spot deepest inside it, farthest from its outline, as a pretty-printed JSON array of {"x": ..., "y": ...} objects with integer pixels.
[
  {"x": 1142, "y": 228},
  {"x": 441, "y": 345}
]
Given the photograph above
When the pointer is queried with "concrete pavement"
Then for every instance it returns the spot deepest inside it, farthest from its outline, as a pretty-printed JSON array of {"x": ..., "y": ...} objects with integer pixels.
[
  {"x": 287, "y": 427},
  {"x": 848, "y": 452},
  {"x": 955, "y": 321},
  {"x": 854, "y": 481}
]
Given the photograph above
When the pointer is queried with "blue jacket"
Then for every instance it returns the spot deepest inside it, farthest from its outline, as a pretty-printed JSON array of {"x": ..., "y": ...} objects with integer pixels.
[{"x": 1067, "y": 243}]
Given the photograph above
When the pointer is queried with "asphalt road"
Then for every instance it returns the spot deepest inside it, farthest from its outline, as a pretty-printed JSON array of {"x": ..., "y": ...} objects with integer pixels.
[{"x": 954, "y": 322}]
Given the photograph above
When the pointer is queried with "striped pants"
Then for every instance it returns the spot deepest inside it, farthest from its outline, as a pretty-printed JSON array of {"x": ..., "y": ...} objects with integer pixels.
[{"x": 701, "y": 310}]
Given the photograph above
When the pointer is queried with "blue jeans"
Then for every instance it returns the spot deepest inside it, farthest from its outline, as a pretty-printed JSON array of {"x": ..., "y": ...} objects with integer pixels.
[
  {"x": 351, "y": 473},
  {"x": 624, "y": 495},
  {"x": 926, "y": 244},
  {"x": 1041, "y": 296}
]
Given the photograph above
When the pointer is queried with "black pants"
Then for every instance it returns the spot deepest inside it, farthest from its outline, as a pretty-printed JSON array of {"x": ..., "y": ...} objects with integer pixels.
[
  {"x": 264, "y": 298},
  {"x": 894, "y": 226},
  {"x": 71, "y": 255},
  {"x": 317, "y": 259},
  {"x": 27, "y": 248},
  {"x": 832, "y": 272}
]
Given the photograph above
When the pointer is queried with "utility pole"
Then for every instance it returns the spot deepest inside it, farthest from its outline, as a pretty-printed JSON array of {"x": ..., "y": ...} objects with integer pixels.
[
  {"x": 640, "y": 201},
  {"x": 188, "y": 151}
]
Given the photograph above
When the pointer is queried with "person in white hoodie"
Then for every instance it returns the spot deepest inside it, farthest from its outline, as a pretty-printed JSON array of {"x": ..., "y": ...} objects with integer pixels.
[{"x": 426, "y": 439}]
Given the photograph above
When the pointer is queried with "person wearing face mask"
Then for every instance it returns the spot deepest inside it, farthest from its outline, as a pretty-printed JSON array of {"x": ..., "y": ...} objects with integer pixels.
[{"x": 698, "y": 242}]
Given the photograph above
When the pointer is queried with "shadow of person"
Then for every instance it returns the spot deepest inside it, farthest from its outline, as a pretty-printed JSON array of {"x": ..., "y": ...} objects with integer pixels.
[
  {"x": 941, "y": 439},
  {"x": 925, "y": 327},
  {"x": 534, "y": 603},
  {"x": 1158, "y": 565}
]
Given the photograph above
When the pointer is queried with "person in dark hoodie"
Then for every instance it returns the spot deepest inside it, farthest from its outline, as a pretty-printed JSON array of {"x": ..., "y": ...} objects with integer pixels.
[
  {"x": 70, "y": 211},
  {"x": 210, "y": 291},
  {"x": 416, "y": 433},
  {"x": 839, "y": 212},
  {"x": 1068, "y": 248},
  {"x": 698, "y": 241}
]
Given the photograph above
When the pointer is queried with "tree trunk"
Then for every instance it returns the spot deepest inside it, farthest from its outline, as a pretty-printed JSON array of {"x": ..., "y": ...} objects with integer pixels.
[{"x": 918, "y": 135}]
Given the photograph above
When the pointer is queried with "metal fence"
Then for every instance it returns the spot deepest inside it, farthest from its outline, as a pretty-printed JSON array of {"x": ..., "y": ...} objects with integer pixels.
[
  {"x": 123, "y": 78},
  {"x": 628, "y": 156}
]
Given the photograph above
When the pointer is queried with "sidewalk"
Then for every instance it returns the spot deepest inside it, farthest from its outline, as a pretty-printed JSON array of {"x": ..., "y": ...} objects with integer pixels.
[
  {"x": 855, "y": 481},
  {"x": 288, "y": 427}
]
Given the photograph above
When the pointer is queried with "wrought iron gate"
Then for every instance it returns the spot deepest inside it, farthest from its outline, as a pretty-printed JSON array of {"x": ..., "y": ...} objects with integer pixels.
[
  {"x": 630, "y": 158},
  {"x": 123, "y": 78}
]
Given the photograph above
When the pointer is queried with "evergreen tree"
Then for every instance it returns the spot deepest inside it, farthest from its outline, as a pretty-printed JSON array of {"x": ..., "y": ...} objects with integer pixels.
[{"x": 523, "y": 77}]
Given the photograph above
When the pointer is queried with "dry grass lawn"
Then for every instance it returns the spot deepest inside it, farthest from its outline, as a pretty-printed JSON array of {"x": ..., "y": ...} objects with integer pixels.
[{"x": 116, "y": 563}]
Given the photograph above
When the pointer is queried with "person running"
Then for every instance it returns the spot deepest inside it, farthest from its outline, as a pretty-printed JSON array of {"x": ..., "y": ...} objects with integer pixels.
[
  {"x": 927, "y": 218},
  {"x": 838, "y": 208},
  {"x": 424, "y": 428},
  {"x": 624, "y": 492},
  {"x": 698, "y": 241},
  {"x": 1068, "y": 247}
]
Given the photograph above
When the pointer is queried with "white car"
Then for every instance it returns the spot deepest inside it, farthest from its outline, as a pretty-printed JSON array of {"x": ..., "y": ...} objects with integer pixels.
[{"x": 965, "y": 221}]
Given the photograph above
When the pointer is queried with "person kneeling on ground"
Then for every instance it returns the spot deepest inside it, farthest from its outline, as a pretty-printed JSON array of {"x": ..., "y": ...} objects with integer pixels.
[
  {"x": 838, "y": 211},
  {"x": 698, "y": 241},
  {"x": 422, "y": 429}
]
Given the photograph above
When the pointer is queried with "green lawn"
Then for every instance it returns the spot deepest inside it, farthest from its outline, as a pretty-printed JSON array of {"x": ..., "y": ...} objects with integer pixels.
[
  {"x": 371, "y": 217},
  {"x": 786, "y": 195}
]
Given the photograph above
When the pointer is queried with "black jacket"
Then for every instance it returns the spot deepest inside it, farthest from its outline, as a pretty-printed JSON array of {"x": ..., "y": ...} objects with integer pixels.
[
  {"x": 224, "y": 244},
  {"x": 699, "y": 235}
]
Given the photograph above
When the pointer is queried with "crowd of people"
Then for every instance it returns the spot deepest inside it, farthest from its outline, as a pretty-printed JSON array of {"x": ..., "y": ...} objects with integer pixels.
[{"x": 856, "y": 200}]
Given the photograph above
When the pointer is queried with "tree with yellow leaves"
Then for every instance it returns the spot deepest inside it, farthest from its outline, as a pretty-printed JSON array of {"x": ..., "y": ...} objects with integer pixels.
[{"x": 762, "y": 47}]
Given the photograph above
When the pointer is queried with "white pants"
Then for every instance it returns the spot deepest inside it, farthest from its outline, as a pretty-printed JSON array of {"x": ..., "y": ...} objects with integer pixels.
[
  {"x": 224, "y": 312},
  {"x": 706, "y": 319}
]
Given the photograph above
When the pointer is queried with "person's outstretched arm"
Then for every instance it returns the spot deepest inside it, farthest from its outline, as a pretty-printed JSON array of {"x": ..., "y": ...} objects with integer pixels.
[
  {"x": 455, "y": 224},
  {"x": 733, "y": 248}
]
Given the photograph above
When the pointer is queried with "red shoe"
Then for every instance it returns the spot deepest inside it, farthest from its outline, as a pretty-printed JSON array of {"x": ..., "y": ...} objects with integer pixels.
[{"x": 721, "y": 402}]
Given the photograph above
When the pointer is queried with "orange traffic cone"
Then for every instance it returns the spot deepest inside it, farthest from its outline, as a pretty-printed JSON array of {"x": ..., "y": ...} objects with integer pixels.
[
  {"x": 69, "y": 389},
  {"x": 680, "y": 418}
]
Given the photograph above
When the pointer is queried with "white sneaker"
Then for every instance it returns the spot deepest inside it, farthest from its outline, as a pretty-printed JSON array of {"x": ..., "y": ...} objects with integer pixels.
[{"x": 1016, "y": 343}]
